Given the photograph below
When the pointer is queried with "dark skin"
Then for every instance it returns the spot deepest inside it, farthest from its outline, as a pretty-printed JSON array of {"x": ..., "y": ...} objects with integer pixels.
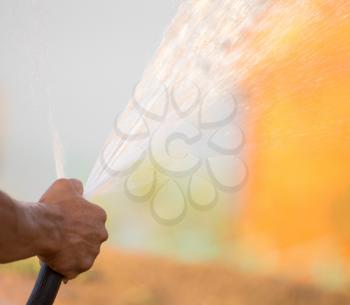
[{"x": 63, "y": 229}]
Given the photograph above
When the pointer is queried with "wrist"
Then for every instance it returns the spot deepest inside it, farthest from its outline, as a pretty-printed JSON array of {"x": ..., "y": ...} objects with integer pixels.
[{"x": 39, "y": 225}]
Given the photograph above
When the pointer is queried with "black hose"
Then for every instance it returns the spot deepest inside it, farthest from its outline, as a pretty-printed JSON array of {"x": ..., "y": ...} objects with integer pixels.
[{"x": 46, "y": 287}]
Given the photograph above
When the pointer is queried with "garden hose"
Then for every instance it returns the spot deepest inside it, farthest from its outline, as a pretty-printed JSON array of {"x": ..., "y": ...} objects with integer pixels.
[{"x": 46, "y": 287}]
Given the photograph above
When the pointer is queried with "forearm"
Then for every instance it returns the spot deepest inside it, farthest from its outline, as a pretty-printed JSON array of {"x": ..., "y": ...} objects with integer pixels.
[{"x": 27, "y": 229}]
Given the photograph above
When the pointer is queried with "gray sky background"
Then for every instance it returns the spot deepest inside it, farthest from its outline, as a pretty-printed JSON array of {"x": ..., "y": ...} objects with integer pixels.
[{"x": 84, "y": 57}]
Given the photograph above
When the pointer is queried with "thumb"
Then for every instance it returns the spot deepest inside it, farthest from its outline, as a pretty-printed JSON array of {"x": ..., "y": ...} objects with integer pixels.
[{"x": 78, "y": 186}]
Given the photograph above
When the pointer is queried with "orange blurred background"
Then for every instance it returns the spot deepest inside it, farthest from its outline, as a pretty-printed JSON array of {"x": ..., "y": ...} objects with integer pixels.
[{"x": 297, "y": 207}]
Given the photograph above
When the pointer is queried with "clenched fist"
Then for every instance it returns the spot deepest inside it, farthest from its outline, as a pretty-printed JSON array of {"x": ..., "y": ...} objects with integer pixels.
[{"x": 78, "y": 228}]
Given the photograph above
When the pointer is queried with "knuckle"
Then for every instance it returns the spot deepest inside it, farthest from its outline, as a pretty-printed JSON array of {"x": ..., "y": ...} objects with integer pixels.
[
  {"x": 77, "y": 185},
  {"x": 104, "y": 235},
  {"x": 61, "y": 182},
  {"x": 103, "y": 215},
  {"x": 100, "y": 213},
  {"x": 87, "y": 263}
]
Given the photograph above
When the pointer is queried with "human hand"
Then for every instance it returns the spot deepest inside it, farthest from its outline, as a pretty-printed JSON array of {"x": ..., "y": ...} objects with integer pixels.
[{"x": 77, "y": 231}]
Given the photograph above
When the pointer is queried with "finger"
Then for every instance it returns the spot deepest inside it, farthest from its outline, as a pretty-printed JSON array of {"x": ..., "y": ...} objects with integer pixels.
[
  {"x": 78, "y": 186},
  {"x": 67, "y": 277}
]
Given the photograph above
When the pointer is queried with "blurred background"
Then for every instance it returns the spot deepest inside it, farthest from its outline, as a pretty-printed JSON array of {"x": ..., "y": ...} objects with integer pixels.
[
  {"x": 283, "y": 238},
  {"x": 81, "y": 58}
]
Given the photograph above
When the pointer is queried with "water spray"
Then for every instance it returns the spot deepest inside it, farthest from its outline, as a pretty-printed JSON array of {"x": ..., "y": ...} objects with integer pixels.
[{"x": 186, "y": 96}]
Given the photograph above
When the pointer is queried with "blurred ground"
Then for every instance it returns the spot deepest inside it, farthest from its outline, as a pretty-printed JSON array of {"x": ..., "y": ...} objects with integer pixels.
[{"x": 134, "y": 279}]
